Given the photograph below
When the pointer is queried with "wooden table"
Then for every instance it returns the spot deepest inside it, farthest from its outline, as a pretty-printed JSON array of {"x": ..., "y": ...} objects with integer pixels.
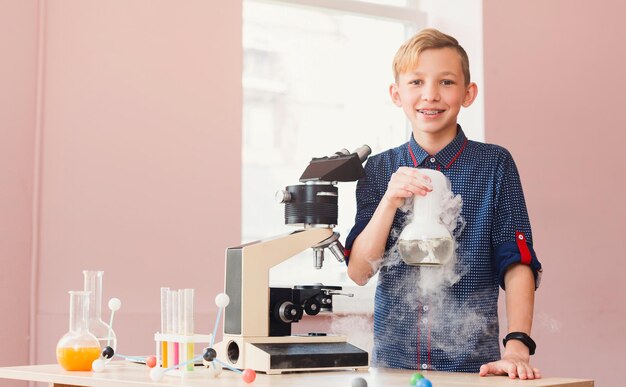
[{"x": 125, "y": 374}]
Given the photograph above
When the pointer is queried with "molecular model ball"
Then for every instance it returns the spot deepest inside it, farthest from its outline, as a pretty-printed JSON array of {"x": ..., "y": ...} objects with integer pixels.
[
  {"x": 115, "y": 304},
  {"x": 98, "y": 365},
  {"x": 418, "y": 380}
]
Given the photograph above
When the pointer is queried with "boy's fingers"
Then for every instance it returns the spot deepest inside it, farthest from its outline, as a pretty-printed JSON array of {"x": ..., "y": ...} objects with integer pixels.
[
  {"x": 522, "y": 372},
  {"x": 491, "y": 368},
  {"x": 512, "y": 371},
  {"x": 408, "y": 184},
  {"x": 414, "y": 172}
]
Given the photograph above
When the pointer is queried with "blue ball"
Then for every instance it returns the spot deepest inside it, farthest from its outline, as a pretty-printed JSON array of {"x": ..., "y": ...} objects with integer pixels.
[{"x": 423, "y": 383}]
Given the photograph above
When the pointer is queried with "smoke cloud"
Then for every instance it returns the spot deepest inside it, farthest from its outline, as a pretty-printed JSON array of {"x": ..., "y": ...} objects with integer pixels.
[{"x": 455, "y": 321}]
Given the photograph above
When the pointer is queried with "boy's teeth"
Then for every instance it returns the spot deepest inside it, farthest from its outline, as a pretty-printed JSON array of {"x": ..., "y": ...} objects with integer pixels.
[{"x": 430, "y": 112}]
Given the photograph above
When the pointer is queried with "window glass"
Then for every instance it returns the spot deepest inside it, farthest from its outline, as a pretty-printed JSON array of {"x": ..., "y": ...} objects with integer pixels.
[{"x": 314, "y": 82}]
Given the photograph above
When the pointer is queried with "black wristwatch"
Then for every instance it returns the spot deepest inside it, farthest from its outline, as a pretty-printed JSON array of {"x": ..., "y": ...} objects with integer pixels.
[{"x": 524, "y": 338}]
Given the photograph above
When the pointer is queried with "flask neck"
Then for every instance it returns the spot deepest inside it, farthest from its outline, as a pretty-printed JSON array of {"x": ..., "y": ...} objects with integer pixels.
[
  {"x": 93, "y": 284},
  {"x": 79, "y": 311},
  {"x": 429, "y": 207}
]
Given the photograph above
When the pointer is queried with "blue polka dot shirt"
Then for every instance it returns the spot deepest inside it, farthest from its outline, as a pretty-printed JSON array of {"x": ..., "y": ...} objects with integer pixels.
[{"x": 456, "y": 328}]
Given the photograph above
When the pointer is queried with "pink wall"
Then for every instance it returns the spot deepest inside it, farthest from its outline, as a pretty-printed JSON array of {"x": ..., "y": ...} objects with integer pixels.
[
  {"x": 140, "y": 151},
  {"x": 18, "y": 68},
  {"x": 555, "y": 86}
]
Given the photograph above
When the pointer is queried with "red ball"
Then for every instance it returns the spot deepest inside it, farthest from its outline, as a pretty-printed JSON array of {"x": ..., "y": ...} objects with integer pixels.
[
  {"x": 248, "y": 375},
  {"x": 151, "y": 361}
]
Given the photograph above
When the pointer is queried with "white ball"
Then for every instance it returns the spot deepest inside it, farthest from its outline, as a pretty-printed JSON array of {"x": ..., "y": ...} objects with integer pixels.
[
  {"x": 156, "y": 374},
  {"x": 215, "y": 369},
  {"x": 359, "y": 382},
  {"x": 222, "y": 300},
  {"x": 97, "y": 365},
  {"x": 115, "y": 304}
]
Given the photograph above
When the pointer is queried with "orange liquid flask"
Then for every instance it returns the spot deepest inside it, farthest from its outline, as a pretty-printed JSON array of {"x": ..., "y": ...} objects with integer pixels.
[
  {"x": 77, "y": 359},
  {"x": 78, "y": 348}
]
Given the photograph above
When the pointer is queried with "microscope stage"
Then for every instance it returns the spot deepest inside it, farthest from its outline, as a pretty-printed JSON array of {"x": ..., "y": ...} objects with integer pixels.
[{"x": 307, "y": 356}]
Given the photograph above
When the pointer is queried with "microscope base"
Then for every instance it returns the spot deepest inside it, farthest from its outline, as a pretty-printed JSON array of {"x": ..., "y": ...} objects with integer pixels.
[{"x": 275, "y": 355}]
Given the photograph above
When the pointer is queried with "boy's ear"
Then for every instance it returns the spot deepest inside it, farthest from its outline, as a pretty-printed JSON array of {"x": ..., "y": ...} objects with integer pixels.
[
  {"x": 470, "y": 94},
  {"x": 395, "y": 95}
]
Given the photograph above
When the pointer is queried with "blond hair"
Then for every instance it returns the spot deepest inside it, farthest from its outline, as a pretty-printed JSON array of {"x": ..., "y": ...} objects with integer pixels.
[{"x": 407, "y": 55}]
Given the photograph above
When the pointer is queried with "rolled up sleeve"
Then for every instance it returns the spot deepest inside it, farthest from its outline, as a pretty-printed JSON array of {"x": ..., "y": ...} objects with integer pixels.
[{"x": 511, "y": 233}]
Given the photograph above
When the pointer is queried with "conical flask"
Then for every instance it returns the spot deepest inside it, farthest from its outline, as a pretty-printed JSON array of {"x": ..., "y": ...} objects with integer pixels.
[
  {"x": 78, "y": 348},
  {"x": 102, "y": 331},
  {"x": 426, "y": 240}
]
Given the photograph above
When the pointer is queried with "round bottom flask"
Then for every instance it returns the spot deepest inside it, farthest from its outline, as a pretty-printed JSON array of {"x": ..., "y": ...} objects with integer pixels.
[{"x": 78, "y": 348}]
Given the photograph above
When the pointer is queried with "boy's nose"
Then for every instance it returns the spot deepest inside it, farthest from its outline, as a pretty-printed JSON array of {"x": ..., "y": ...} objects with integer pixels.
[{"x": 430, "y": 94}]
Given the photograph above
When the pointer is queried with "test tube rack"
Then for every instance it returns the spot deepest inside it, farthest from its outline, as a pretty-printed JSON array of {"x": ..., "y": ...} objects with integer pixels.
[{"x": 182, "y": 349}]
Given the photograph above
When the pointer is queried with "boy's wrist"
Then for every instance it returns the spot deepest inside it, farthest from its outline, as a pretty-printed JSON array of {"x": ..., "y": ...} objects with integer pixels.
[
  {"x": 519, "y": 341},
  {"x": 389, "y": 204},
  {"x": 516, "y": 349}
]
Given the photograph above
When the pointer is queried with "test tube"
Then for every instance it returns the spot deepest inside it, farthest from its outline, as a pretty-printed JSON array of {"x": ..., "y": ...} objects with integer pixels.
[
  {"x": 182, "y": 349},
  {"x": 164, "y": 314},
  {"x": 188, "y": 312},
  {"x": 188, "y": 325},
  {"x": 174, "y": 325}
]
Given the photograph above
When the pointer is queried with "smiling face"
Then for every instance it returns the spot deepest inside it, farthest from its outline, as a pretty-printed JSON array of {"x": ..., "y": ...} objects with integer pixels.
[{"x": 431, "y": 94}]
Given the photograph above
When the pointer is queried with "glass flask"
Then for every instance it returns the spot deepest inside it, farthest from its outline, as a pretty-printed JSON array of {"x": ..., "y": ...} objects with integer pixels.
[
  {"x": 426, "y": 240},
  {"x": 78, "y": 348},
  {"x": 103, "y": 332}
]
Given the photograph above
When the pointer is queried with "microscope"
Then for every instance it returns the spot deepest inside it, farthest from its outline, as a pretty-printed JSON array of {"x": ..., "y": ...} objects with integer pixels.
[{"x": 258, "y": 319}]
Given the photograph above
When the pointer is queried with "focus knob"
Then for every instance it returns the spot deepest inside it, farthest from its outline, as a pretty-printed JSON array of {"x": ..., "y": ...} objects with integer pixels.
[
  {"x": 311, "y": 306},
  {"x": 282, "y": 196},
  {"x": 289, "y": 312}
]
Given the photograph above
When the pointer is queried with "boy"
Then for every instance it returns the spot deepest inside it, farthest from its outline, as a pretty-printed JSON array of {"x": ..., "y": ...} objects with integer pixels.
[{"x": 432, "y": 82}]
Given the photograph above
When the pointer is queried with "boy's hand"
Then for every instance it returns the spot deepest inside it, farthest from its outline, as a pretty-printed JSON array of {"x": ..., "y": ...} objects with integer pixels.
[
  {"x": 515, "y": 363},
  {"x": 405, "y": 183}
]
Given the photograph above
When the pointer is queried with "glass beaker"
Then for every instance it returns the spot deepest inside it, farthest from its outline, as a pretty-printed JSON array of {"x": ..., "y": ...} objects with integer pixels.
[
  {"x": 78, "y": 348},
  {"x": 426, "y": 240},
  {"x": 103, "y": 332}
]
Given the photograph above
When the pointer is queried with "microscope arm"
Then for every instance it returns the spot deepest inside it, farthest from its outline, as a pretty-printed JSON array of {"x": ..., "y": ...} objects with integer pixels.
[{"x": 247, "y": 277}]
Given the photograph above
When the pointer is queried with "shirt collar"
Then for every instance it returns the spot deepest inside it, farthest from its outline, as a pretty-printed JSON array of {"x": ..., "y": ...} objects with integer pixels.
[{"x": 444, "y": 157}]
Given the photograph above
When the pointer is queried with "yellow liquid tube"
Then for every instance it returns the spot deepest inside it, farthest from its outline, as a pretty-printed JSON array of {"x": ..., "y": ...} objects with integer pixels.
[{"x": 190, "y": 351}]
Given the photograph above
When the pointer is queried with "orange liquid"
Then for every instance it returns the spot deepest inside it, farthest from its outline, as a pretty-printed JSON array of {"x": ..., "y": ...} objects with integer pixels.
[
  {"x": 77, "y": 359},
  {"x": 164, "y": 354}
]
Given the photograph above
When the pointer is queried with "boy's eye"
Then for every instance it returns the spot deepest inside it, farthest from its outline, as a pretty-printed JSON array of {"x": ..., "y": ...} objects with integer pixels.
[
  {"x": 447, "y": 82},
  {"x": 416, "y": 82}
]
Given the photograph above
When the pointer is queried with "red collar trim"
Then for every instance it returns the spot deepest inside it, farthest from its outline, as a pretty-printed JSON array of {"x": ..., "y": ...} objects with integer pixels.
[{"x": 456, "y": 156}]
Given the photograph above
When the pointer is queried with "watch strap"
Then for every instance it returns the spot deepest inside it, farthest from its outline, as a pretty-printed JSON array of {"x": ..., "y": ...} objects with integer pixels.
[{"x": 524, "y": 338}]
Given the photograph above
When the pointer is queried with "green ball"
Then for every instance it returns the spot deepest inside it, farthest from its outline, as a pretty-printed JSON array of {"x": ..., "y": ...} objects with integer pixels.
[{"x": 415, "y": 377}]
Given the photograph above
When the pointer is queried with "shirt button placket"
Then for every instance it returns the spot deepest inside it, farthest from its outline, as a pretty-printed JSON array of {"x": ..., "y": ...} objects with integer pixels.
[{"x": 424, "y": 332}]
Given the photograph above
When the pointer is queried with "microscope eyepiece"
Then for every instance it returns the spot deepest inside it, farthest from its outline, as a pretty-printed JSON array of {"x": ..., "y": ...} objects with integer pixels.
[
  {"x": 341, "y": 152},
  {"x": 363, "y": 151}
]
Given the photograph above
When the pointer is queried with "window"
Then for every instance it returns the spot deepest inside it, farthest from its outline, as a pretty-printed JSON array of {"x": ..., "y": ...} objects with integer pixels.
[{"x": 315, "y": 79}]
